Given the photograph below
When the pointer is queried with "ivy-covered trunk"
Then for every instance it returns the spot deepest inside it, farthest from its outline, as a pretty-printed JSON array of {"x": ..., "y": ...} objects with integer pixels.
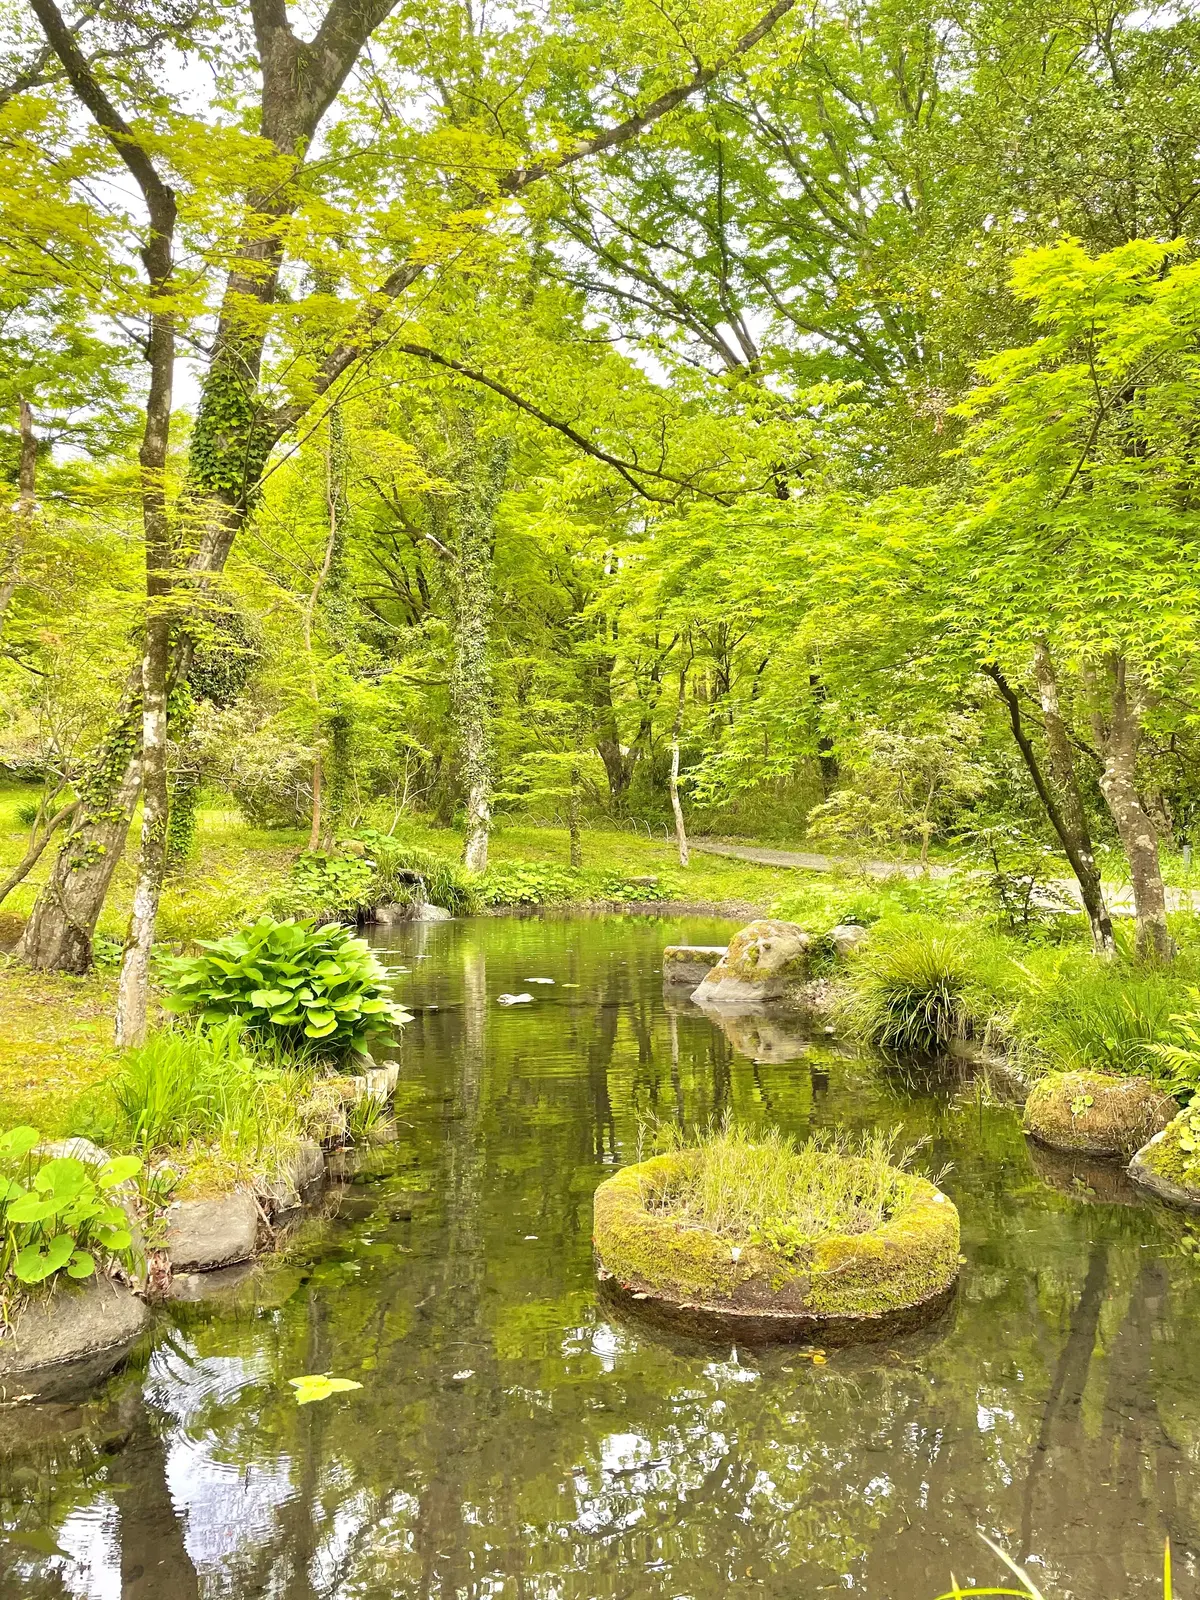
[{"x": 480, "y": 483}]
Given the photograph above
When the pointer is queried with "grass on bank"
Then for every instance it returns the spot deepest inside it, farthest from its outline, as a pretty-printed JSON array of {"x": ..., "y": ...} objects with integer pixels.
[{"x": 763, "y": 1187}]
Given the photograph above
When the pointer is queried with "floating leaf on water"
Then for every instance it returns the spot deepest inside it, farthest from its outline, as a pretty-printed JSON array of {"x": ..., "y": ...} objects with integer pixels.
[
  {"x": 461, "y": 1377},
  {"x": 514, "y": 999},
  {"x": 319, "y": 1386}
]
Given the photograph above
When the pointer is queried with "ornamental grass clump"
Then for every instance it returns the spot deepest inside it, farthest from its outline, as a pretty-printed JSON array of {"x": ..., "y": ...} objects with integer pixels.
[
  {"x": 766, "y": 1189},
  {"x": 314, "y": 992},
  {"x": 918, "y": 991}
]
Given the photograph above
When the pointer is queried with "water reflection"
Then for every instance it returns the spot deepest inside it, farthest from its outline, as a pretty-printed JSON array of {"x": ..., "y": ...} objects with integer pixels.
[{"x": 511, "y": 1437}]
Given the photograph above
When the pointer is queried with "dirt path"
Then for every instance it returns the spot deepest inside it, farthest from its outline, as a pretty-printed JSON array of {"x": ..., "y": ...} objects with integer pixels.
[{"x": 1118, "y": 895}]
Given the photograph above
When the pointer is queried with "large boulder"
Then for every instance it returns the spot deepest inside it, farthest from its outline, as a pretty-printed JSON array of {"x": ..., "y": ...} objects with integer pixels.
[
  {"x": 1096, "y": 1113},
  {"x": 690, "y": 963},
  {"x": 764, "y": 962},
  {"x": 202, "y": 1234},
  {"x": 1169, "y": 1163},
  {"x": 79, "y": 1331}
]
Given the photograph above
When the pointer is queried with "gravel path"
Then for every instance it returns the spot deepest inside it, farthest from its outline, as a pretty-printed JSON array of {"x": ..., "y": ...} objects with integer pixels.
[{"x": 1119, "y": 896}]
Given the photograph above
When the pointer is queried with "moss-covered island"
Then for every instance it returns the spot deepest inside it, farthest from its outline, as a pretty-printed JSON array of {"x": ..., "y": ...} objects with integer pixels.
[
  {"x": 777, "y": 1242},
  {"x": 1096, "y": 1113},
  {"x": 1169, "y": 1164}
]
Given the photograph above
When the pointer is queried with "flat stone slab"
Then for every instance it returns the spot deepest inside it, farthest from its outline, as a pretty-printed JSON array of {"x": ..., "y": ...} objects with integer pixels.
[
  {"x": 86, "y": 1327},
  {"x": 689, "y": 963},
  {"x": 203, "y": 1234}
]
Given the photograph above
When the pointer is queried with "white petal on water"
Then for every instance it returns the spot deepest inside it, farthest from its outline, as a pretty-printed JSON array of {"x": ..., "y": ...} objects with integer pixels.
[{"x": 514, "y": 999}]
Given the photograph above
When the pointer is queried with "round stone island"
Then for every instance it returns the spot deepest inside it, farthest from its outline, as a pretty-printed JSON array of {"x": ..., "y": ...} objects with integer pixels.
[{"x": 836, "y": 1287}]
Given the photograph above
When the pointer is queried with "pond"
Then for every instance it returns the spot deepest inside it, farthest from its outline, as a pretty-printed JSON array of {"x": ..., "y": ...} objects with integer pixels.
[{"x": 511, "y": 1438}]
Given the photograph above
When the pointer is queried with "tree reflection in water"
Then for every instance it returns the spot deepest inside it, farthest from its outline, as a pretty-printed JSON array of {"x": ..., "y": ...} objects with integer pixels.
[{"x": 511, "y": 1438}]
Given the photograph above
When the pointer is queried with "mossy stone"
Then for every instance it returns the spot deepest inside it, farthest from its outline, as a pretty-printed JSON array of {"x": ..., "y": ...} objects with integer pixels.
[
  {"x": 764, "y": 960},
  {"x": 1168, "y": 1170},
  {"x": 841, "y": 1288},
  {"x": 1096, "y": 1113}
]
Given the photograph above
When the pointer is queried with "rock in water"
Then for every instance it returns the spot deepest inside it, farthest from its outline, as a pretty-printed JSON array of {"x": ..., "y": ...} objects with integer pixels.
[
  {"x": 690, "y": 963},
  {"x": 1167, "y": 1164},
  {"x": 202, "y": 1234},
  {"x": 83, "y": 1330},
  {"x": 1096, "y": 1113},
  {"x": 763, "y": 962}
]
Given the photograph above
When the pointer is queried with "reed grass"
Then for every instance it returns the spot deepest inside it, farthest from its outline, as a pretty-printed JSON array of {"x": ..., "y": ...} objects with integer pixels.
[{"x": 752, "y": 1186}]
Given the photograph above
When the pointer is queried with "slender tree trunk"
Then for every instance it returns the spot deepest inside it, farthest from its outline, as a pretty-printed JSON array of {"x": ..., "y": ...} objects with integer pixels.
[
  {"x": 1066, "y": 783},
  {"x": 314, "y": 833},
  {"x": 1118, "y": 734},
  {"x": 827, "y": 761},
  {"x": 10, "y": 570},
  {"x": 133, "y": 986},
  {"x": 480, "y": 487},
  {"x": 1078, "y": 850},
  {"x": 573, "y": 817},
  {"x": 680, "y": 830}
]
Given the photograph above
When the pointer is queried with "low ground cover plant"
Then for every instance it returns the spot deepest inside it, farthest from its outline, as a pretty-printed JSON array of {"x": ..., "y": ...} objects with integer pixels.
[
  {"x": 316, "y": 992},
  {"x": 765, "y": 1188},
  {"x": 538, "y": 884},
  {"x": 369, "y": 871},
  {"x": 59, "y": 1215}
]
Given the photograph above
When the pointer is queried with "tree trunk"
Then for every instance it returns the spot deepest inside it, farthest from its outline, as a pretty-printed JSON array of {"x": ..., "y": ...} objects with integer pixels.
[
  {"x": 10, "y": 569},
  {"x": 480, "y": 487},
  {"x": 827, "y": 762},
  {"x": 314, "y": 834},
  {"x": 677, "y": 809},
  {"x": 1066, "y": 783},
  {"x": 1083, "y": 866},
  {"x": 1118, "y": 735},
  {"x": 133, "y": 986},
  {"x": 573, "y": 817}
]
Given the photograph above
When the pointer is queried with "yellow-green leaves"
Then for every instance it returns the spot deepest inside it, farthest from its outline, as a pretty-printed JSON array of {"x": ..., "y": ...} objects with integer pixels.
[{"x": 319, "y": 1386}]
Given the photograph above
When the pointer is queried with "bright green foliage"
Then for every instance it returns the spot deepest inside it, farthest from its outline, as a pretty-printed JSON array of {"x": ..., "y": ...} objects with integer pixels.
[
  {"x": 533, "y": 885},
  {"x": 59, "y": 1216},
  {"x": 338, "y": 885},
  {"x": 317, "y": 991},
  {"x": 1180, "y": 1057}
]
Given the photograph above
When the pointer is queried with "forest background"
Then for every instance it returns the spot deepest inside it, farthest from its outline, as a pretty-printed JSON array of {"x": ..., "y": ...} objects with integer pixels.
[{"x": 776, "y": 422}]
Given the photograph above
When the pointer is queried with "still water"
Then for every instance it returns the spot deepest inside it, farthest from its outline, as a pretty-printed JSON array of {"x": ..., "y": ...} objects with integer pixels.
[{"x": 510, "y": 1439}]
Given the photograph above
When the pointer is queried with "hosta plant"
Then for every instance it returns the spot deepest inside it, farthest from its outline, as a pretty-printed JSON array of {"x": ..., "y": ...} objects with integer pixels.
[
  {"x": 314, "y": 991},
  {"x": 61, "y": 1215}
]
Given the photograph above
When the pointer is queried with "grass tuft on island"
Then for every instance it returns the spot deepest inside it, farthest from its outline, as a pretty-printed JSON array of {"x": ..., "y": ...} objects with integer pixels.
[{"x": 763, "y": 1187}]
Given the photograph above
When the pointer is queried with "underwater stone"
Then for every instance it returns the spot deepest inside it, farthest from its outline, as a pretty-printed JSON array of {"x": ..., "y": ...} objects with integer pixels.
[{"x": 1096, "y": 1113}]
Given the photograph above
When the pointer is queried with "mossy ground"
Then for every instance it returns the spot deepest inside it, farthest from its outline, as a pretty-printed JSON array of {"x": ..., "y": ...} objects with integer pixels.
[{"x": 1168, "y": 1158}]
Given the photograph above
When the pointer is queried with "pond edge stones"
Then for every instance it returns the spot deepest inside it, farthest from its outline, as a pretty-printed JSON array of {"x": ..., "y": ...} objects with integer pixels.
[
  {"x": 76, "y": 1334},
  {"x": 842, "y": 1289},
  {"x": 1159, "y": 1165},
  {"x": 1096, "y": 1113},
  {"x": 764, "y": 961},
  {"x": 684, "y": 965}
]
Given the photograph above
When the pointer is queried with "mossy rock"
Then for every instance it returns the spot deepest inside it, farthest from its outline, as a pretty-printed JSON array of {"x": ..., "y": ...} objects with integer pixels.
[
  {"x": 1166, "y": 1168},
  {"x": 841, "y": 1288},
  {"x": 764, "y": 961},
  {"x": 1095, "y": 1113}
]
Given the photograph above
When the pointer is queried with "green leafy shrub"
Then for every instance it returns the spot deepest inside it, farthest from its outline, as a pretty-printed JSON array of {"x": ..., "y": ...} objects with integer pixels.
[
  {"x": 60, "y": 1215},
  {"x": 316, "y": 991},
  {"x": 529, "y": 884},
  {"x": 324, "y": 885},
  {"x": 1179, "y": 1058}
]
